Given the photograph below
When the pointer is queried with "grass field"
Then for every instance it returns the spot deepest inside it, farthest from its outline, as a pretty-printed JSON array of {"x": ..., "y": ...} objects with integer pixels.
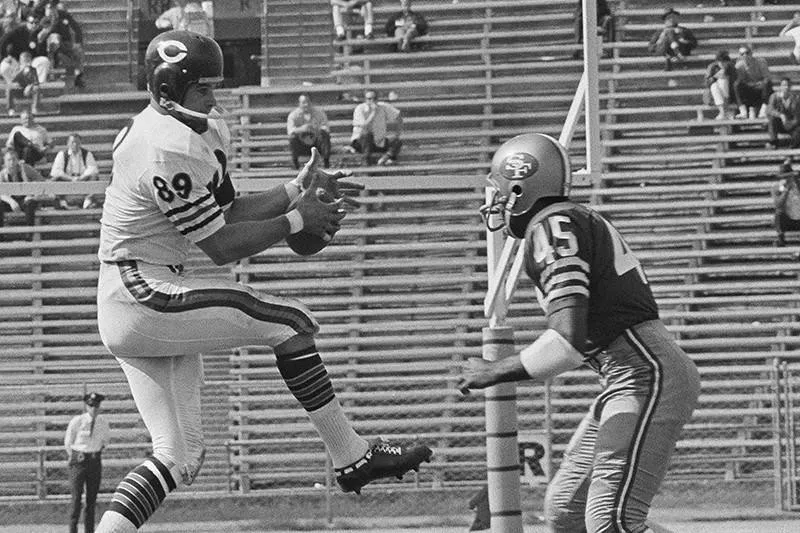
[{"x": 697, "y": 507}]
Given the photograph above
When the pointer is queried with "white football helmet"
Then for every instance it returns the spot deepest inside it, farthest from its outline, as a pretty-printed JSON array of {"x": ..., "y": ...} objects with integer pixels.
[{"x": 525, "y": 169}]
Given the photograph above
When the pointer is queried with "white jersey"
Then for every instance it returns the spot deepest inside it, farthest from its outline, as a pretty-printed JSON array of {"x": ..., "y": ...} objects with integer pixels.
[{"x": 168, "y": 189}]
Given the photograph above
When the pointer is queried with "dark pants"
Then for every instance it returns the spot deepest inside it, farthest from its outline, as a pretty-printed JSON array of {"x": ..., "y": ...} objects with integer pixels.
[
  {"x": 322, "y": 142},
  {"x": 775, "y": 126},
  {"x": 28, "y": 207},
  {"x": 26, "y": 150},
  {"x": 87, "y": 472},
  {"x": 751, "y": 94},
  {"x": 366, "y": 145}
]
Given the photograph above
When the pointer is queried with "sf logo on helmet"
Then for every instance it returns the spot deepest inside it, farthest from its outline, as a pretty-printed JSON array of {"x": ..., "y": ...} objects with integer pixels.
[
  {"x": 519, "y": 166},
  {"x": 172, "y": 51}
]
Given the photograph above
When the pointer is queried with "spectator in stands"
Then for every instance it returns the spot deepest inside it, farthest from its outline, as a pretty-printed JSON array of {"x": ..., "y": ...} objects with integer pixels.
[
  {"x": 405, "y": 26},
  {"x": 25, "y": 84},
  {"x": 64, "y": 38},
  {"x": 376, "y": 128},
  {"x": 792, "y": 30},
  {"x": 753, "y": 84},
  {"x": 15, "y": 171},
  {"x": 783, "y": 115},
  {"x": 673, "y": 41},
  {"x": 86, "y": 436},
  {"x": 186, "y": 15},
  {"x": 342, "y": 8},
  {"x": 28, "y": 139},
  {"x": 8, "y": 21},
  {"x": 719, "y": 79},
  {"x": 605, "y": 24},
  {"x": 786, "y": 196},
  {"x": 307, "y": 126},
  {"x": 25, "y": 38},
  {"x": 75, "y": 163}
]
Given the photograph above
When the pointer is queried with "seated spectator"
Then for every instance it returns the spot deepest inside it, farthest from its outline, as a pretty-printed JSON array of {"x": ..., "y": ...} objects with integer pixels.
[
  {"x": 376, "y": 128},
  {"x": 720, "y": 77},
  {"x": 15, "y": 171},
  {"x": 406, "y": 25},
  {"x": 783, "y": 115},
  {"x": 753, "y": 84},
  {"x": 307, "y": 126},
  {"x": 786, "y": 197},
  {"x": 25, "y": 84},
  {"x": 25, "y": 38},
  {"x": 792, "y": 30},
  {"x": 9, "y": 66},
  {"x": 28, "y": 139},
  {"x": 674, "y": 41},
  {"x": 75, "y": 163},
  {"x": 185, "y": 15},
  {"x": 605, "y": 24},
  {"x": 342, "y": 8},
  {"x": 64, "y": 38}
]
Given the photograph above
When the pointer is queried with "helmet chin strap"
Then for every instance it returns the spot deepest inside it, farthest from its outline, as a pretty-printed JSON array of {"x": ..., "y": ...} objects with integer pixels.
[
  {"x": 507, "y": 208},
  {"x": 169, "y": 105}
]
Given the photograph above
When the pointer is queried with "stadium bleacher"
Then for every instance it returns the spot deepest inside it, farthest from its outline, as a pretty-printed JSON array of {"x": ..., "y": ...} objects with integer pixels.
[{"x": 400, "y": 292}]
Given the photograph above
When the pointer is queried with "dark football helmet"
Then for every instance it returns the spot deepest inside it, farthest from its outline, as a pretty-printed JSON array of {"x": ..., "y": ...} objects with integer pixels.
[
  {"x": 524, "y": 169},
  {"x": 176, "y": 59}
]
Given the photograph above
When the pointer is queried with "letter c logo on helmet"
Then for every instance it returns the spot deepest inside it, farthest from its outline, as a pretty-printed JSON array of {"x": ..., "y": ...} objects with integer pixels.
[
  {"x": 172, "y": 51},
  {"x": 519, "y": 166}
]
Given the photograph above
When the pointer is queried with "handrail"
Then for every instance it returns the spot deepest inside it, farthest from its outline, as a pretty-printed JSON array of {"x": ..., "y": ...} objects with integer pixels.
[{"x": 129, "y": 23}]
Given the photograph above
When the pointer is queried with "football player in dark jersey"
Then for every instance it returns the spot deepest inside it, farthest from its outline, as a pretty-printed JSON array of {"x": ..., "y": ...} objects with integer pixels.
[{"x": 600, "y": 312}]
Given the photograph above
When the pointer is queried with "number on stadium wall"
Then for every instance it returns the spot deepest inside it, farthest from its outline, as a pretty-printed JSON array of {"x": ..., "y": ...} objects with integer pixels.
[
  {"x": 566, "y": 244},
  {"x": 624, "y": 260},
  {"x": 181, "y": 185}
]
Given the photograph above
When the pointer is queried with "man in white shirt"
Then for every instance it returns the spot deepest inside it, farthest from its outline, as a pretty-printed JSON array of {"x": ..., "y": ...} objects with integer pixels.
[
  {"x": 86, "y": 436},
  {"x": 74, "y": 164},
  {"x": 376, "y": 128},
  {"x": 28, "y": 139},
  {"x": 189, "y": 16}
]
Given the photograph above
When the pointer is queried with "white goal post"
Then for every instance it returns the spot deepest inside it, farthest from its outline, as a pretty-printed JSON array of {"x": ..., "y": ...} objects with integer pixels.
[{"x": 505, "y": 258}]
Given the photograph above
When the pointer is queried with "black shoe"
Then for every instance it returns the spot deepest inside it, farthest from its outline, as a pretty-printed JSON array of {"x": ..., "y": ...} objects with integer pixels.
[
  {"x": 383, "y": 459},
  {"x": 79, "y": 83}
]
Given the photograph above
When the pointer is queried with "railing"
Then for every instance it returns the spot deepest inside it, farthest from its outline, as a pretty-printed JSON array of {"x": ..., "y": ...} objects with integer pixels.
[
  {"x": 43, "y": 463},
  {"x": 133, "y": 58}
]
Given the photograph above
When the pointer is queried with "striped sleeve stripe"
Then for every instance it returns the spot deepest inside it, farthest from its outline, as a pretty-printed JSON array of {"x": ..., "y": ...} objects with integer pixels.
[
  {"x": 203, "y": 223},
  {"x": 188, "y": 205},
  {"x": 193, "y": 215},
  {"x": 569, "y": 290},
  {"x": 564, "y": 263},
  {"x": 565, "y": 277}
]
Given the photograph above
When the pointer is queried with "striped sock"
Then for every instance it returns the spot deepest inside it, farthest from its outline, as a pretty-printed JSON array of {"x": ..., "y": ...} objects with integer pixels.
[
  {"x": 140, "y": 493},
  {"x": 307, "y": 378}
]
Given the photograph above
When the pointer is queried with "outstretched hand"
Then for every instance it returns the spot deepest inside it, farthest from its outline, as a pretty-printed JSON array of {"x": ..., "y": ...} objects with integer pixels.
[
  {"x": 476, "y": 373},
  {"x": 334, "y": 188}
]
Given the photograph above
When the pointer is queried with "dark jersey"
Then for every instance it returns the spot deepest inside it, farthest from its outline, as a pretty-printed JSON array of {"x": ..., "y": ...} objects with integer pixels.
[{"x": 572, "y": 251}]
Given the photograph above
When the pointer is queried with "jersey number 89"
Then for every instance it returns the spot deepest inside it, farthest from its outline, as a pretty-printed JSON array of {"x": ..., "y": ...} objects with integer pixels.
[{"x": 181, "y": 185}]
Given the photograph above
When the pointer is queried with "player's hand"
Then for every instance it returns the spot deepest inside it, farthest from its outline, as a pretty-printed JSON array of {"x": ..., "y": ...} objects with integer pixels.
[
  {"x": 313, "y": 177},
  {"x": 476, "y": 373},
  {"x": 320, "y": 217}
]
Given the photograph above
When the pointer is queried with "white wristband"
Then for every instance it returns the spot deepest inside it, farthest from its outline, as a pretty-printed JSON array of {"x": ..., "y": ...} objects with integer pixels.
[
  {"x": 295, "y": 221},
  {"x": 292, "y": 190}
]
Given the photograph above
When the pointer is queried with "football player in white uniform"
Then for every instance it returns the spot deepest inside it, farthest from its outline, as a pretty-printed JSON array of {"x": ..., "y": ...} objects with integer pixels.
[{"x": 169, "y": 191}]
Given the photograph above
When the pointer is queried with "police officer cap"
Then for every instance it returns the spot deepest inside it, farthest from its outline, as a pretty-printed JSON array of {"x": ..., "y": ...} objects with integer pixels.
[{"x": 93, "y": 398}]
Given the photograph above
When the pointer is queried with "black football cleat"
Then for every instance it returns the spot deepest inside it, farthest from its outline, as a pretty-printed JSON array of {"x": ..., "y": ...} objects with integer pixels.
[{"x": 382, "y": 460}]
